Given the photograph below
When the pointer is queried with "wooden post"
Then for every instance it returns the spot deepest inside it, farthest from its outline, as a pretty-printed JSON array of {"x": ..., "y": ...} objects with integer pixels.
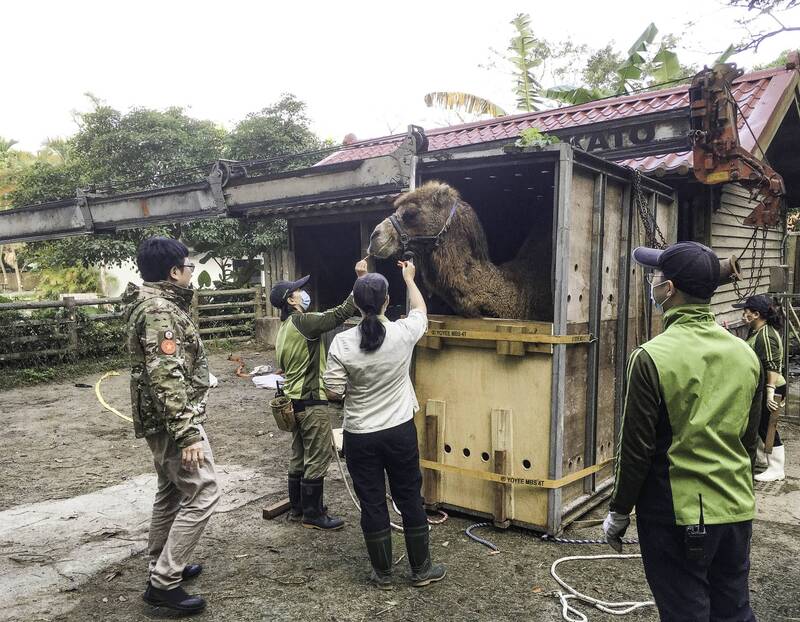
[
  {"x": 434, "y": 343},
  {"x": 501, "y": 445},
  {"x": 771, "y": 428},
  {"x": 195, "y": 309},
  {"x": 72, "y": 317},
  {"x": 434, "y": 433},
  {"x": 366, "y": 232},
  {"x": 510, "y": 347},
  {"x": 259, "y": 294}
]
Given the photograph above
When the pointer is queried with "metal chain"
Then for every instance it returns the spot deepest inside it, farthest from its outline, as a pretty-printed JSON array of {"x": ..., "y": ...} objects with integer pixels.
[
  {"x": 754, "y": 279},
  {"x": 651, "y": 229}
]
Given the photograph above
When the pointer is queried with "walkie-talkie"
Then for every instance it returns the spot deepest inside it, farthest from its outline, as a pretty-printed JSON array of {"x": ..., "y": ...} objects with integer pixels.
[{"x": 695, "y": 538}]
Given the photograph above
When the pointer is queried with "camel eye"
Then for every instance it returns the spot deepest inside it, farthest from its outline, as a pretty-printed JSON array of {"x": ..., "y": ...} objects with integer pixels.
[{"x": 410, "y": 215}]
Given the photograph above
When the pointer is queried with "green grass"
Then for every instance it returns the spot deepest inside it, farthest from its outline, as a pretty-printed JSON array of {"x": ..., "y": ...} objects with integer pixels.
[{"x": 59, "y": 372}]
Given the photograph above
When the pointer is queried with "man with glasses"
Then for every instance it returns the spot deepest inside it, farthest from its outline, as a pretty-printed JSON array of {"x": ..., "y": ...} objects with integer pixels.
[
  {"x": 169, "y": 390},
  {"x": 687, "y": 445}
]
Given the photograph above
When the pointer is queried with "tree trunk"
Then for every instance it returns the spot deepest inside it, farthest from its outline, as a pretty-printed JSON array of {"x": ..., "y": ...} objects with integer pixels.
[
  {"x": 16, "y": 271},
  {"x": 3, "y": 266}
]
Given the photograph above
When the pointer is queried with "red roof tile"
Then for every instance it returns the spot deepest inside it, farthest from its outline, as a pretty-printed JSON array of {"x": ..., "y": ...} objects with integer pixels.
[{"x": 757, "y": 93}]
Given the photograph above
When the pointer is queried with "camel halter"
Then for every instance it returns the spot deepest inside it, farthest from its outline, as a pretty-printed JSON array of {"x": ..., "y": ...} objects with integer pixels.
[{"x": 407, "y": 240}]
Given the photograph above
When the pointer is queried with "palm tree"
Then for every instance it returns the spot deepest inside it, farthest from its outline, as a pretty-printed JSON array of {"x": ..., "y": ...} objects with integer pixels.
[{"x": 645, "y": 63}]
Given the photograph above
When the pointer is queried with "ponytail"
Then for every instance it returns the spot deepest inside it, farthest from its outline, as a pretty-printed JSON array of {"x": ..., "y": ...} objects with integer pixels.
[
  {"x": 774, "y": 316},
  {"x": 373, "y": 332}
]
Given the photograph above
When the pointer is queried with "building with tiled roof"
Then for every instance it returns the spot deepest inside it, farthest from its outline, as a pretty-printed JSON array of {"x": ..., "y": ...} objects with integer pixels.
[{"x": 764, "y": 97}]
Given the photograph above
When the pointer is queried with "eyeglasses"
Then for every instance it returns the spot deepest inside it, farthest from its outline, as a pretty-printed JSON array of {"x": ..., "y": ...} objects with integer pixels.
[
  {"x": 653, "y": 275},
  {"x": 187, "y": 265}
]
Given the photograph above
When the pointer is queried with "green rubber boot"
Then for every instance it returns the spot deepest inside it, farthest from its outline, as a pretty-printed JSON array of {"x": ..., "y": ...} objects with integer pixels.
[
  {"x": 379, "y": 547},
  {"x": 423, "y": 571}
]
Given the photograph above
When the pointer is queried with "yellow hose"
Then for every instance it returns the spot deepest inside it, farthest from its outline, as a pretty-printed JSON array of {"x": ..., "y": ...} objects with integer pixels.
[{"x": 103, "y": 402}]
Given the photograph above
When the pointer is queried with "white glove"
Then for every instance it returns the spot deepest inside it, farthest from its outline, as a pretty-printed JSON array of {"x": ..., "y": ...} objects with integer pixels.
[
  {"x": 772, "y": 404},
  {"x": 614, "y": 526},
  {"x": 212, "y": 380}
]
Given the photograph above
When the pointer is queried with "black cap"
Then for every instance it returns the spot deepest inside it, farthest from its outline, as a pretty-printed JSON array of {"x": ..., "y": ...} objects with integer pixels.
[
  {"x": 760, "y": 303},
  {"x": 281, "y": 290},
  {"x": 691, "y": 266},
  {"x": 370, "y": 290}
]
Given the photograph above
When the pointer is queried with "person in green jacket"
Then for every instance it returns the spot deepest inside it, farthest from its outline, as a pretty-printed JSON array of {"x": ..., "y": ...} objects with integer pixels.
[
  {"x": 764, "y": 321},
  {"x": 300, "y": 353},
  {"x": 687, "y": 446}
]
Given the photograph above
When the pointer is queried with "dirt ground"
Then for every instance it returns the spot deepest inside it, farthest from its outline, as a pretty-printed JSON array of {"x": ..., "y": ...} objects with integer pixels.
[{"x": 67, "y": 461}]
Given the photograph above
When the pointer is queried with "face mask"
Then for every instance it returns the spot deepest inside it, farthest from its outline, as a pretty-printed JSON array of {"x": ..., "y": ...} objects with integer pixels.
[
  {"x": 305, "y": 300},
  {"x": 656, "y": 304}
]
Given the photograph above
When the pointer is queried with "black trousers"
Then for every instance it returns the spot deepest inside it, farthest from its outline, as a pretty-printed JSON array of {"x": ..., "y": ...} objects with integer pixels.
[
  {"x": 394, "y": 452},
  {"x": 713, "y": 590}
]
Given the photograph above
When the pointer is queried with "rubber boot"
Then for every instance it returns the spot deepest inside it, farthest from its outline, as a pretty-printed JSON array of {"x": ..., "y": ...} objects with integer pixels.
[
  {"x": 313, "y": 515},
  {"x": 775, "y": 462},
  {"x": 761, "y": 457},
  {"x": 296, "y": 511},
  {"x": 423, "y": 572},
  {"x": 379, "y": 547}
]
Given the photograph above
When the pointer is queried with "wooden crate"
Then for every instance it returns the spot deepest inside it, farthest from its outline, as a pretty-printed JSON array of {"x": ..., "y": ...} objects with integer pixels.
[
  {"x": 546, "y": 413},
  {"x": 485, "y": 406}
]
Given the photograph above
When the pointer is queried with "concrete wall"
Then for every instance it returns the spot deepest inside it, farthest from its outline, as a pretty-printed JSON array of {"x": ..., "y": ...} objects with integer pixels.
[{"x": 115, "y": 279}]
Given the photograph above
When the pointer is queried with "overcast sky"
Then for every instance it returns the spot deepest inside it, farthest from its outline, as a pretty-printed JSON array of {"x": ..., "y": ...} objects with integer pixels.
[{"x": 362, "y": 67}]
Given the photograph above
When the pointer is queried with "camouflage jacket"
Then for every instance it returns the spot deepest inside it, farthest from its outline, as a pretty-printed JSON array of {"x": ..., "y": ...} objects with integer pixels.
[{"x": 169, "y": 367}]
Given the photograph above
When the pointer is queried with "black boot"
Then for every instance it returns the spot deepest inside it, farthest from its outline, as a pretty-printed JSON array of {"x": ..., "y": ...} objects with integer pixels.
[
  {"x": 379, "y": 547},
  {"x": 423, "y": 572},
  {"x": 296, "y": 511},
  {"x": 313, "y": 515},
  {"x": 191, "y": 571},
  {"x": 176, "y": 599}
]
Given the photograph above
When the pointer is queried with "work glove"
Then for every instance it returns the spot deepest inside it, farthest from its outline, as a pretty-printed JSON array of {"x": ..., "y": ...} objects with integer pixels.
[
  {"x": 614, "y": 526},
  {"x": 772, "y": 403}
]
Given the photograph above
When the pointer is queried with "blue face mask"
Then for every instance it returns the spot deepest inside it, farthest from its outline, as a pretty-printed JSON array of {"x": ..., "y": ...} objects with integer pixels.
[
  {"x": 656, "y": 304},
  {"x": 305, "y": 299}
]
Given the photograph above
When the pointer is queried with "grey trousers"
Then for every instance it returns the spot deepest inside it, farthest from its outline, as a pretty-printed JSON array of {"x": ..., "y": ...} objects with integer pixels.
[
  {"x": 311, "y": 442},
  {"x": 183, "y": 504}
]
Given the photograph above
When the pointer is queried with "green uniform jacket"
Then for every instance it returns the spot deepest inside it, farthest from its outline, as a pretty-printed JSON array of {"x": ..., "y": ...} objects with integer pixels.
[
  {"x": 768, "y": 346},
  {"x": 301, "y": 353},
  {"x": 169, "y": 367},
  {"x": 690, "y": 422}
]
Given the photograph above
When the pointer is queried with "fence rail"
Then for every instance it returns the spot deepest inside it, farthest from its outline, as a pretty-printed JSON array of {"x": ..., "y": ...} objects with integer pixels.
[
  {"x": 234, "y": 326},
  {"x": 63, "y": 330},
  {"x": 60, "y": 336}
]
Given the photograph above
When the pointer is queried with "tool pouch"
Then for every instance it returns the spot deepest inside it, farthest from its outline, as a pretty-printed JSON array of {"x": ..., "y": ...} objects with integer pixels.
[{"x": 283, "y": 412}]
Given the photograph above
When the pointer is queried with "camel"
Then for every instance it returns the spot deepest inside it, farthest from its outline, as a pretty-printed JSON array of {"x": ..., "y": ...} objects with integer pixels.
[{"x": 453, "y": 261}]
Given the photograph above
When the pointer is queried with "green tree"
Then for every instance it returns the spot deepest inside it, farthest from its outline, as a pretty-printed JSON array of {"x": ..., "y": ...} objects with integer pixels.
[
  {"x": 275, "y": 131},
  {"x": 650, "y": 61}
]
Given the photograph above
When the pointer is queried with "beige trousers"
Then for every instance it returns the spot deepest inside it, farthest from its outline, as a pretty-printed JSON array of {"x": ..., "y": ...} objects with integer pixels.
[{"x": 183, "y": 504}]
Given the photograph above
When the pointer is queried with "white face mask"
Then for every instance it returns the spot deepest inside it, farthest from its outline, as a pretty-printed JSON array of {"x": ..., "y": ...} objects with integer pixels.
[
  {"x": 656, "y": 304},
  {"x": 305, "y": 299}
]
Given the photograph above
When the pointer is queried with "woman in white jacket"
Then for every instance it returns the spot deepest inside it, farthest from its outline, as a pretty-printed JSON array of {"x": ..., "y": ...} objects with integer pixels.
[{"x": 368, "y": 367}]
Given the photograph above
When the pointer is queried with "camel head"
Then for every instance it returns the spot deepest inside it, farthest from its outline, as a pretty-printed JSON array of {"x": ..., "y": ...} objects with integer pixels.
[{"x": 422, "y": 212}]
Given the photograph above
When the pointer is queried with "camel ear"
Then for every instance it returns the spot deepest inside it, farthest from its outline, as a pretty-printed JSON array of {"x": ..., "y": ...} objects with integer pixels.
[{"x": 444, "y": 195}]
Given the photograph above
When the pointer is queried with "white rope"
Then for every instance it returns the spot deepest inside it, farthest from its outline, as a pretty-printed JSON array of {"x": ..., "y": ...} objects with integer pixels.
[{"x": 571, "y": 614}]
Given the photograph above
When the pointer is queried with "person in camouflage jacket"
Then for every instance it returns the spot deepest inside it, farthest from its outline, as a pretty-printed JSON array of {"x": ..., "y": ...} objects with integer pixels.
[{"x": 169, "y": 391}]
